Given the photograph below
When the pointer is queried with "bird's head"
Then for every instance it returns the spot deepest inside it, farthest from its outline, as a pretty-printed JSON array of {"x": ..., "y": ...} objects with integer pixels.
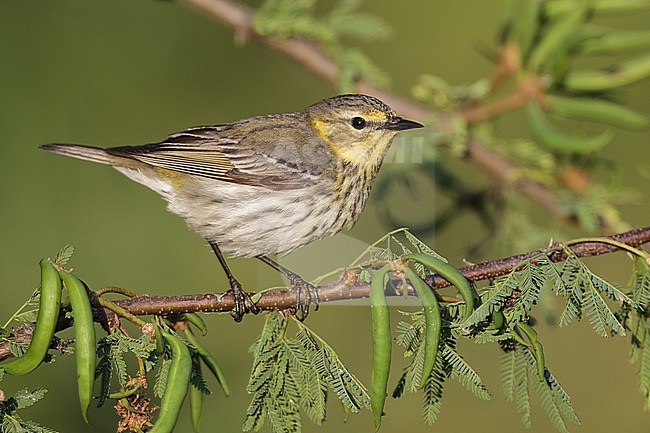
[{"x": 358, "y": 129}]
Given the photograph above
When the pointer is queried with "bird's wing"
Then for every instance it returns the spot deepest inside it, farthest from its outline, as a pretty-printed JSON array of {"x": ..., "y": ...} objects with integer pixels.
[{"x": 213, "y": 153}]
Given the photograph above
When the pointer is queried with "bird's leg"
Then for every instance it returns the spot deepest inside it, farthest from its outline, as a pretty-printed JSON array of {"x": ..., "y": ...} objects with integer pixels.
[
  {"x": 243, "y": 302},
  {"x": 300, "y": 285}
]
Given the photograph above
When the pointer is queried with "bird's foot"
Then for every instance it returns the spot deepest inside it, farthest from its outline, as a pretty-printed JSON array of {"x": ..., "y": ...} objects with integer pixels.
[
  {"x": 243, "y": 302},
  {"x": 306, "y": 295}
]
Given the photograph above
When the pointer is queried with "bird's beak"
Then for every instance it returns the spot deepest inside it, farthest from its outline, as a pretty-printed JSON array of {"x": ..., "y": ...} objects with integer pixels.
[{"x": 400, "y": 124}]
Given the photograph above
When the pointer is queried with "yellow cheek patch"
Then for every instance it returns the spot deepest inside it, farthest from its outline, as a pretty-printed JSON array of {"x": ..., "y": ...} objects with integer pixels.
[
  {"x": 366, "y": 154},
  {"x": 357, "y": 152},
  {"x": 321, "y": 130}
]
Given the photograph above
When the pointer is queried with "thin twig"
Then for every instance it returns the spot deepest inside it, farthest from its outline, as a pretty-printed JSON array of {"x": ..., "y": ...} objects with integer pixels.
[
  {"x": 112, "y": 289},
  {"x": 122, "y": 312}
]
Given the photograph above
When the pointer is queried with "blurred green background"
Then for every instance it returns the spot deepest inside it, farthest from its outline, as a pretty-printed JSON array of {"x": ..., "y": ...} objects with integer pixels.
[{"x": 130, "y": 72}]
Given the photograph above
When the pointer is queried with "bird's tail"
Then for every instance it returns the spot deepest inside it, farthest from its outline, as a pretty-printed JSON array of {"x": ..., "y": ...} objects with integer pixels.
[{"x": 80, "y": 151}]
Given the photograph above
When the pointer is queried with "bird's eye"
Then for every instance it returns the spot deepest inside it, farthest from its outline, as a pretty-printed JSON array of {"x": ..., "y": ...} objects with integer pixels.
[{"x": 358, "y": 122}]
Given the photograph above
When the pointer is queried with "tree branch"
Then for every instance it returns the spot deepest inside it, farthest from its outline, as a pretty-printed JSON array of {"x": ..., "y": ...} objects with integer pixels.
[
  {"x": 240, "y": 18},
  {"x": 347, "y": 286}
]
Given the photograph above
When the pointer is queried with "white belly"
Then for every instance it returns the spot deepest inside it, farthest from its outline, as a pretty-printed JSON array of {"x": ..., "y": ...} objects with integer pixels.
[{"x": 247, "y": 221}]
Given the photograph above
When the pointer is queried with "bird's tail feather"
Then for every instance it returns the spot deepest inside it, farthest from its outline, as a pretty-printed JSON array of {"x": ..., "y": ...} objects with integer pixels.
[{"x": 80, "y": 151}]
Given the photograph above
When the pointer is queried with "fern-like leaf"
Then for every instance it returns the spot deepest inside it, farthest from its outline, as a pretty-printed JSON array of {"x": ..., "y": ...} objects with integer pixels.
[
  {"x": 546, "y": 398},
  {"x": 104, "y": 370},
  {"x": 570, "y": 289},
  {"x": 34, "y": 427},
  {"x": 433, "y": 390},
  {"x": 493, "y": 299},
  {"x": 554, "y": 399},
  {"x": 515, "y": 380},
  {"x": 63, "y": 256},
  {"x": 312, "y": 391},
  {"x": 641, "y": 284},
  {"x": 25, "y": 398},
  {"x": 610, "y": 290},
  {"x": 600, "y": 315},
  {"x": 530, "y": 278},
  {"x": 117, "y": 356},
  {"x": 462, "y": 371},
  {"x": 422, "y": 247},
  {"x": 161, "y": 378},
  {"x": 643, "y": 347},
  {"x": 332, "y": 371},
  {"x": 409, "y": 335}
]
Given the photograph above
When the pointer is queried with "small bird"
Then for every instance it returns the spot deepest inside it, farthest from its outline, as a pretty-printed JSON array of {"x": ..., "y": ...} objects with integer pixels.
[{"x": 265, "y": 185}]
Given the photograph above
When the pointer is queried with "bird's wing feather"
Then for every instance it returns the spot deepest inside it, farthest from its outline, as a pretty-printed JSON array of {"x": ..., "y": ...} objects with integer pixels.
[{"x": 210, "y": 152}]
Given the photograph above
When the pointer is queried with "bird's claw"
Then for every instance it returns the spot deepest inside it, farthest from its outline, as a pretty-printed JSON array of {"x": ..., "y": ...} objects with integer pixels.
[
  {"x": 243, "y": 302},
  {"x": 310, "y": 297}
]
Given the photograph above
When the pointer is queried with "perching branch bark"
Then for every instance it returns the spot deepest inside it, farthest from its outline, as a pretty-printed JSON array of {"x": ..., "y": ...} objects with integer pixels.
[
  {"x": 345, "y": 287},
  {"x": 240, "y": 18}
]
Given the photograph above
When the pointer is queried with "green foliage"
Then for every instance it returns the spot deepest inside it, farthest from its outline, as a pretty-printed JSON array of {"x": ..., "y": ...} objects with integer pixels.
[
  {"x": 449, "y": 364},
  {"x": 294, "y": 374},
  {"x": 161, "y": 378},
  {"x": 582, "y": 289},
  {"x": 11, "y": 422},
  {"x": 572, "y": 279},
  {"x": 542, "y": 47},
  {"x": 551, "y": 43},
  {"x": 27, "y": 313},
  {"x": 198, "y": 381},
  {"x": 111, "y": 363},
  {"x": 493, "y": 299},
  {"x": 514, "y": 295},
  {"x": 344, "y": 21},
  {"x": 519, "y": 376},
  {"x": 64, "y": 255},
  {"x": 641, "y": 283},
  {"x": 290, "y": 374},
  {"x": 638, "y": 323}
]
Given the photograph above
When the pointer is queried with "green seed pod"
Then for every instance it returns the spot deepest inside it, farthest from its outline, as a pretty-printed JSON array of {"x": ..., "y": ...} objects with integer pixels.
[
  {"x": 553, "y": 8},
  {"x": 547, "y": 135},
  {"x": 498, "y": 320},
  {"x": 432, "y": 321},
  {"x": 178, "y": 380},
  {"x": 616, "y": 42},
  {"x": 209, "y": 360},
  {"x": 527, "y": 23},
  {"x": 450, "y": 274},
  {"x": 553, "y": 42},
  {"x": 597, "y": 110},
  {"x": 597, "y": 80},
  {"x": 538, "y": 350},
  {"x": 196, "y": 320},
  {"x": 381, "y": 345},
  {"x": 48, "y": 314},
  {"x": 609, "y": 7},
  {"x": 160, "y": 341},
  {"x": 196, "y": 398},
  {"x": 84, "y": 332}
]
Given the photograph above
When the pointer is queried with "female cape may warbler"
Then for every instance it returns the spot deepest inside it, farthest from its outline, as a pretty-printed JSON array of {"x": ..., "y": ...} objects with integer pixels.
[{"x": 268, "y": 184}]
